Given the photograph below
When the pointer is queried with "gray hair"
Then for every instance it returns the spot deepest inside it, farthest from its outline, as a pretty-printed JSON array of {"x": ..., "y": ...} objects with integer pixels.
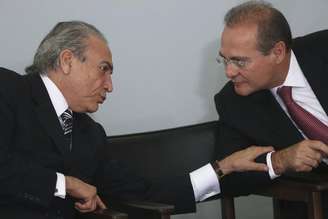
[
  {"x": 70, "y": 35},
  {"x": 272, "y": 25}
]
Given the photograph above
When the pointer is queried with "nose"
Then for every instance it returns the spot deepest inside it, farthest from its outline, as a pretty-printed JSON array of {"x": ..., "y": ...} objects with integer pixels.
[
  {"x": 230, "y": 70},
  {"x": 108, "y": 84}
]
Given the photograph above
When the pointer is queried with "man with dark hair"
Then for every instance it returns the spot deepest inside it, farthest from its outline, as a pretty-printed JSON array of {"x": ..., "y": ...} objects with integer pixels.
[
  {"x": 52, "y": 159},
  {"x": 276, "y": 94}
]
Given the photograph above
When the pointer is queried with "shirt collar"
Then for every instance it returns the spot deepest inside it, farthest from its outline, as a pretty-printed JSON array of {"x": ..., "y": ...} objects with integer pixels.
[
  {"x": 57, "y": 98},
  {"x": 295, "y": 76}
]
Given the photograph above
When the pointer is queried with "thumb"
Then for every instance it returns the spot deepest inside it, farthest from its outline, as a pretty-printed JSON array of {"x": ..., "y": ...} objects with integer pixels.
[{"x": 100, "y": 203}]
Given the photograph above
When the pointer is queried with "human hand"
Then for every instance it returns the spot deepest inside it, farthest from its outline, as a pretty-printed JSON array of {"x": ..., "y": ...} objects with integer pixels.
[
  {"x": 244, "y": 160},
  {"x": 91, "y": 205},
  {"x": 300, "y": 157},
  {"x": 85, "y": 193}
]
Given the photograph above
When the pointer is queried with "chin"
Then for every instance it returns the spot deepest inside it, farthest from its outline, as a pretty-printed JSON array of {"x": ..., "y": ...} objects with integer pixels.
[
  {"x": 93, "y": 109},
  {"x": 243, "y": 91}
]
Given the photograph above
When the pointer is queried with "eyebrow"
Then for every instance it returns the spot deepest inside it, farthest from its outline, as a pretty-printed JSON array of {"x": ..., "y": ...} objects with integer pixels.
[
  {"x": 220, "y": 54},
  {"x": 234, "y": 57}
]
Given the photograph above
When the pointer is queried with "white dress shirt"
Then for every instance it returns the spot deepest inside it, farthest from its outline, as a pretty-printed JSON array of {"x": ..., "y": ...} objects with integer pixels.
[
  {"x": 60, "y": 104},
  {"x": 302, "y": 94}
]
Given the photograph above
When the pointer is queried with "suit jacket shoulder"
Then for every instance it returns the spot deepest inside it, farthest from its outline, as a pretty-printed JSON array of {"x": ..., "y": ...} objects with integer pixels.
[
  {"x": 12, "y": 85},
  {"x": 315, "y": 42}
]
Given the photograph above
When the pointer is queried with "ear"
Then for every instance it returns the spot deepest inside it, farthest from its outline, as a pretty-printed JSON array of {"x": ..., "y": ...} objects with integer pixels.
[
  {"x": 279, "y": 51},
  {"x": 65, "y": 60}
]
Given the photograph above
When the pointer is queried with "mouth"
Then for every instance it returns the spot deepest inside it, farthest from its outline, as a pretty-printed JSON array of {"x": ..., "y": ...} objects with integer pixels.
[
  {"x": 237, "y": 83},
  {"x": 102, "y": 98},
  {"x": 236, "y": 80}
]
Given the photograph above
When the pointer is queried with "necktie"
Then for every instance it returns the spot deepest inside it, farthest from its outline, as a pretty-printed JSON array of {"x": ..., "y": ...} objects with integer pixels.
[
  {"x": 312, "y": 127},
  {"x": 67, "y": 125}
]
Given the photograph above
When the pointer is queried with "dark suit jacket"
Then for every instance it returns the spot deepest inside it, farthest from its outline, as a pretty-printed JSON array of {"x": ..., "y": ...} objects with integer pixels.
[
  {"x": 33, "y": 149},
  {"x": 258, "y": 119}
]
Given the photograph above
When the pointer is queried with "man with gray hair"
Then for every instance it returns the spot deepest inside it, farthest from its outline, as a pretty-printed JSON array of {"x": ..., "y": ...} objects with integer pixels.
[
  {"x": 52, "y": 159},
  {"x": 276, "y": 95}
]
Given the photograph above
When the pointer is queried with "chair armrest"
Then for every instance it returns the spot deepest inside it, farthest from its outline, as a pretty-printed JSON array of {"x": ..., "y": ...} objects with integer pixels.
[
  {"x": 104, "y": 214},
  {"x": 142, "y": 209},
  {"x": 296, "y": 187}
]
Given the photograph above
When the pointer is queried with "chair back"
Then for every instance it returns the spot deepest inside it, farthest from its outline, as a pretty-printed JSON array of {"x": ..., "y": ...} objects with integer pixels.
[{"x": 166, "y": 153}]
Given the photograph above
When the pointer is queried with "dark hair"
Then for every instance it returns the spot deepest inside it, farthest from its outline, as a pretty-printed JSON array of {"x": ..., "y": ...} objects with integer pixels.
[
  {"x": 70, "y": 35},
  {"x": 272, "y": 25}
]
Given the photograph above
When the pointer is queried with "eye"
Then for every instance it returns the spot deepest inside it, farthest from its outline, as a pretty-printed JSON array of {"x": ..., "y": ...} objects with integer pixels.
[
  {"x": 104, "y": 68},
  {"x": 240, "y": 63}
]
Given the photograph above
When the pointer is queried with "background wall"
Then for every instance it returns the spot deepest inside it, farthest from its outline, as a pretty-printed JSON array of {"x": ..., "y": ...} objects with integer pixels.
[{"x": 164, "y": 58}]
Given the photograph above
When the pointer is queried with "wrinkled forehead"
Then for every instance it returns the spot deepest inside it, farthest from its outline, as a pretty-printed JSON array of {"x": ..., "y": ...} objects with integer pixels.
[
  {"x": 97, "y": 47},
  {"x": 239, "y": 40}
]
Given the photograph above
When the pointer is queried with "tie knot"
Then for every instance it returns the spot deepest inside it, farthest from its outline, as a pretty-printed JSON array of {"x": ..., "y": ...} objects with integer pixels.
[
  {"x": 285, "y": 92},
  {"x": 67, "y": 121},
  {"x": 67, "y": 114}
]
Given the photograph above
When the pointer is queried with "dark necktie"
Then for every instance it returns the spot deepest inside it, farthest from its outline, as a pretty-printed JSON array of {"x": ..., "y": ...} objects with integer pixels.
[
  {"x": 67, "y": 125},
  {"x": 312, "y": 127}
]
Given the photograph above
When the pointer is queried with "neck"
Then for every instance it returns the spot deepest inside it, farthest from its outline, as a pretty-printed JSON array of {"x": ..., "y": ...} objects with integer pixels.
[
  {"x": 282, "y": 70},
  {"x": 58, "y": 80},
  {"x": 55, "y": 77}
]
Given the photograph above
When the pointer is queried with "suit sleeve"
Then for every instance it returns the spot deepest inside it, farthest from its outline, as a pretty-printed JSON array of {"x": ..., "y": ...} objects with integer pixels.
[
  {"x": 229, "y": 141},
  {"x": 21, "y": 179},
  {"x": 118, "y": 182}
]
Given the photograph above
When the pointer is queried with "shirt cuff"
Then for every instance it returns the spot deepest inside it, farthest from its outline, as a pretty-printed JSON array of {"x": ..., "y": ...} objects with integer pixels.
[
  {"x": 272, "y": 174},
  {"x": 60, "y": 186},
  {"x": 204, "y": 182}
]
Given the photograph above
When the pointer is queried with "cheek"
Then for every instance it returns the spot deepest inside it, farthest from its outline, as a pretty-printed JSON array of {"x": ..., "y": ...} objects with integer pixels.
[
  {"x": 94, "y": 87},
  {"x": 98, "y": 84},
  {"x": 255, "y": 74}
]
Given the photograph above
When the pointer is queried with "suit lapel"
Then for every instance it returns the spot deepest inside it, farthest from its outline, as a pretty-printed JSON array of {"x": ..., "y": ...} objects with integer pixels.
[
  {"x": 79, "y": 134},
  {"x": 46, "y": 113}
]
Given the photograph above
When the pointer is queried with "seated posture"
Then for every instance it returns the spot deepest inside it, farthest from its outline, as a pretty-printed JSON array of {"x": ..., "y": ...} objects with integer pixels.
[
  {"x": 276, "y": 95},
  {"x": 52, "y": 159}
]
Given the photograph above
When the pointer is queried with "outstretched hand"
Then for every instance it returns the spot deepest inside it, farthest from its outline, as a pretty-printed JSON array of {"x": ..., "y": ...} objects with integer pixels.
[{"x": 244, "y": 160}]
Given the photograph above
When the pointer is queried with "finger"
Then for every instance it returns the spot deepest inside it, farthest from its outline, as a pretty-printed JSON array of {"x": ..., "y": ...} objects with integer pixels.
[
  {"x": 84, "y": 210},
  {"x": 310, "y": 162},
  {"x": 84, "y": 207},
  {"x": 304, "y": 168},
  {"x": 319, "y": 146},
  {"x": 100, "y": 203},
  {"x": 259, "y": 150},
  {"x": 77, "y": 207},
  {"x": 94, "y": 205},
  {"x": 303, "y": 165},
  {"x": 253, "y": 166},
  {"x": 315, "y": 155}
]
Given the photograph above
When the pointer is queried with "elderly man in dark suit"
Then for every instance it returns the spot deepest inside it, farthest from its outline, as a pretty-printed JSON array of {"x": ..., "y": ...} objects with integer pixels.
[
  {"x": 277, "y": 93},
  {"x": 52, "y": 159}
]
